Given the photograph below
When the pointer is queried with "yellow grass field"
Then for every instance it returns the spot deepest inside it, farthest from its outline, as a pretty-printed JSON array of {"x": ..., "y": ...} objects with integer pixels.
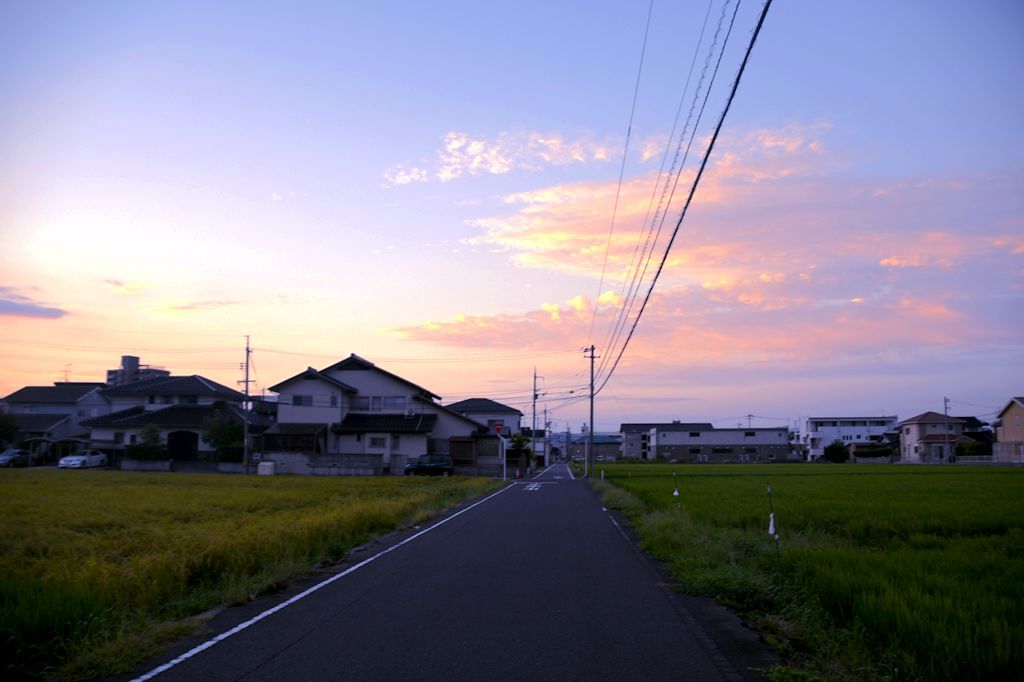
[{"x": 95, "y": 564}]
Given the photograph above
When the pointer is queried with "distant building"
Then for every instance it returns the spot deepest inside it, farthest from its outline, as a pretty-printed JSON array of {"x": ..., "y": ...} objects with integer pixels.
[
  {"x": 720, "y": 446},
  {"x": 606, "y": 446},
  {"x": 820, "y": 432},
  {"x": 131, "y": 371},
  {"x": 636, "y": 437}
]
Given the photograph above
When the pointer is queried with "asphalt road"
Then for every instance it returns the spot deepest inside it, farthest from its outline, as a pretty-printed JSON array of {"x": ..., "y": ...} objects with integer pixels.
[{"x": 536, "y": 582}]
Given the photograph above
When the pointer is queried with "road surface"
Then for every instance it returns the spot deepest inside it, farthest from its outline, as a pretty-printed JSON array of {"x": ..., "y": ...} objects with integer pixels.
[{"x": 535, "y": 582}]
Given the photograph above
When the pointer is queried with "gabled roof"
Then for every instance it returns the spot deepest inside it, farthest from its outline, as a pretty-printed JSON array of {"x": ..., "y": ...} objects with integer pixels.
[
  {"x": 39, "y": 423},
  {"x": 931, "y": 418},
  {"x": 1013, "y": 401},
  {"x": 311, "y": 373},
  {"x": 176, "y": 385},
  {"x": 482, "y": 405},
  {"x": 68, "y": 392},
  {"x": 671, "y": 426},
  {"x": 355, "y": 363},
  {"x": 386, "y": 423},
  {"x": 457, "y": 415},
  {"x": 180, "y": 416}
]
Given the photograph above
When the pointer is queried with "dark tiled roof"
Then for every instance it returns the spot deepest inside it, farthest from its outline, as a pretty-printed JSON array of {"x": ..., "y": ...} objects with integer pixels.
[
  {"x": 353, "y": 363},
  {"x": 38, "y": 423},
  {"x": 485, "y": 405},
  {"x": 183, "y": 416},
  {"x": 671, "y": 426},
  {"x": 176, "y": 385},
  {"x": 61, "y": 392},
  {"x": 387, "y": 423},
  {"x": 931, "y": 418},
  {"x": 295, "y": 429},
  {"x": 311, "y": 373}
]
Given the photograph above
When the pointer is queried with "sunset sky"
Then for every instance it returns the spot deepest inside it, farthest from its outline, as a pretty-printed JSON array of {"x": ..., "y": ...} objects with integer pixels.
[{"x": 431, "y": 185}]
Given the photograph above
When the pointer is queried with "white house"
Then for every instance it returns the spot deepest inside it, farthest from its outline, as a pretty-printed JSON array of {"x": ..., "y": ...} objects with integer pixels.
[
  {"x": 179, "y": 406},
  {"x": 820, "y": 432},
  {"x": 354, "y": 417},
  {"x": 50, "y": 418},
  {"x": 929, "y": 437}
]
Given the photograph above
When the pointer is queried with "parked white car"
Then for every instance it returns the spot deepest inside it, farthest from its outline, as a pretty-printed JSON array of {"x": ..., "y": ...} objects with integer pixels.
[{"x": 81, "y": 460}]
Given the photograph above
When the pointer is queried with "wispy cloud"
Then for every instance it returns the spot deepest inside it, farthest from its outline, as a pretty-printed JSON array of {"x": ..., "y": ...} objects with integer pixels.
[
  {"x": 14, "y": 304},
  {"x": 201, "y": 305},
  {"x": 124, "y": 288},
  {"x": 462, "y": 154}
]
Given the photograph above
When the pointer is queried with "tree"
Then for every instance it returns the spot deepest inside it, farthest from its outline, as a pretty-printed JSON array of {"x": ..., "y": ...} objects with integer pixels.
[
  {"x": 9, "y": 429},
  {"x": 519, "y": 449},
  {"x": 836, "y": 452},
  {"x": 225, "y": 435}
]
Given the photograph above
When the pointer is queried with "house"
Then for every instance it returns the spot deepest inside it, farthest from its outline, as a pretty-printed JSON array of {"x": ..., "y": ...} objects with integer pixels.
[
  {"x": 50, "y": 418},
  {"x": 820, "y": 432},
  {"x": 356, "y": 418},
  {"x": 929, "y": 438},
  {"x": 636, "y": 437},
  {"x": 720, "y": 445},
  {"x": 178, "y": 406},
  {"x": 502, "y": 418},
  {"x": 1009, "y": 445}
]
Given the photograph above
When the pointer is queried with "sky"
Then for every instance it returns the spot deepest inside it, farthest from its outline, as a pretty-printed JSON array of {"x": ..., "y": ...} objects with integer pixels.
[{"x": 470, "y": 193}]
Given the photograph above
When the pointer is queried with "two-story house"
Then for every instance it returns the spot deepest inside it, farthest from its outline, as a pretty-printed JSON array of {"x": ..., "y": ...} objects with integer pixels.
[
  {"x": 178, "y": 406},
  {"x": 50, "y": 417},
  {"x": 929, "y": 438},
  {"x": 354, "y": 417},
  {"x": 492, "y": 414},
  {"x": 1009, "y": 445}
]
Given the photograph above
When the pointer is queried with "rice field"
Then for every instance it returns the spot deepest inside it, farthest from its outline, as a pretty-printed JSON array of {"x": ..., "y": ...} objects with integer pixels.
[
  {"x": 880, "y": 572},
  {"x": 97, "y": 565}
]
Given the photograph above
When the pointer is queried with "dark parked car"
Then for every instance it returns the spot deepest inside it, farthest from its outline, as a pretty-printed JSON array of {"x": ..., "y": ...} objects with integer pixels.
[
  {"x": 431, "y": 465},
  {"x": 15, "y": 457}
]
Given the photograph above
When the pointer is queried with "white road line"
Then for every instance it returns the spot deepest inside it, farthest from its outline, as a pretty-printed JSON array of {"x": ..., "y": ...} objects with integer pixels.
[
  {"x": 269, "y": 612},
  {"x": 569, "y": 471},
  {"x": 544, "y": 472}
]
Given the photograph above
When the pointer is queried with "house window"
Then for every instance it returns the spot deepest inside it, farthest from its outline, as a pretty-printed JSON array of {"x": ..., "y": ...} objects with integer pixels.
[
  {"x": 375, "y": 404},
  {"x": 694, "y": 451},
  {"x": 394, "y": 442},
  {"x": 378, "y": 442},
  {"x": 152, "y": 399},
  {"x": 334, "y": 400},
  {"x": 748, "y": 434},
  {"x": 361, "y": 404},
  {"x": 906, "y": 431},
  {"x": 394, "y": 402},
  {"x": 750, "y": 450},
  {"x": 119, "y": 436},
  {"x": 721, "y": 451},
  {"x": 694, "y": 434},
  {"x": 133, "y": 439},
  {"x": 302, "y": 400}
]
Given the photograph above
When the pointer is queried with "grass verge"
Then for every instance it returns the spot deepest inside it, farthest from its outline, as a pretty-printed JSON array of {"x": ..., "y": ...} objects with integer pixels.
[{"x": 99, "y": 569}]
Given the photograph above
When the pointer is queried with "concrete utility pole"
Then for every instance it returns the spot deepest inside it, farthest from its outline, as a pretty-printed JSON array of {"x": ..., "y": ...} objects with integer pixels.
[
  {"x": 589, "y": 466},
  {"x": 245, "y": 411},
  {"x": 533, "y": 427},
  {"x": 945, "y": 412}
]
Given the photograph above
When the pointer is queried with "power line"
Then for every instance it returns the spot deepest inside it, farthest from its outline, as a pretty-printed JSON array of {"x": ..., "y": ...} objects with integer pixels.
[
  {"x": 622, "y": 167},
  {"x": 696, "y": 180}
]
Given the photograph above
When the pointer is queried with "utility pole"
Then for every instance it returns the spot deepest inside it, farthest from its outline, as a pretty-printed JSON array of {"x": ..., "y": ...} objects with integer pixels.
[
  {"x": 945, "y": 412},
  {"x": 533, "y": 427},
  {"x": 589, "y": 467},
  {"x": 245, "y": 411}
]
